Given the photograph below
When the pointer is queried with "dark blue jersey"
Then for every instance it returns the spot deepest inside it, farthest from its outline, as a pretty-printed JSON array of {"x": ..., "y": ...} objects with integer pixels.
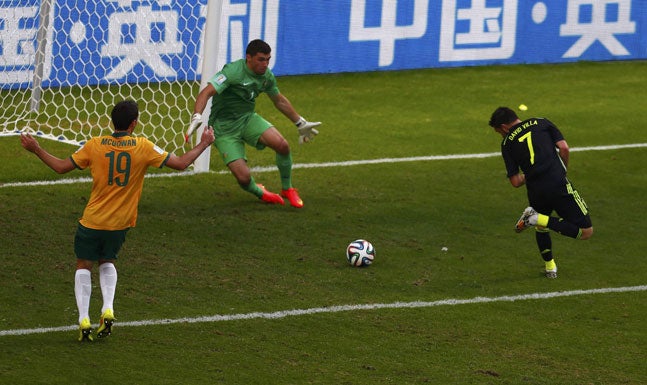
[{"x": 530, "y": 146}]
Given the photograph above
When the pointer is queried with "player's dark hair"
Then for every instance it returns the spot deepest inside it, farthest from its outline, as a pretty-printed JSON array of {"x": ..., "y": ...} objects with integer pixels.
[
  {"x": 123, "y": 114},
  {"x": 256, "y": 46},
  {"x": 502, "y": 115}
]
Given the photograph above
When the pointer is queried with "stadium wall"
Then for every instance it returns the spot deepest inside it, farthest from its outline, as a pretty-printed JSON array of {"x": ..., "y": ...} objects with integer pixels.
[{"x": 310, "y": 37}]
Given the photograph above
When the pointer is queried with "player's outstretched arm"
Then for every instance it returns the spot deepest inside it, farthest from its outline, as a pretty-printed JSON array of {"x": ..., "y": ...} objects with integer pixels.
[
  {"x": 183, "y": 161},
  {"x": 306, "y": 129},
  {"x": 200, "y": 104},
  {"x": 61, "y": 166}
]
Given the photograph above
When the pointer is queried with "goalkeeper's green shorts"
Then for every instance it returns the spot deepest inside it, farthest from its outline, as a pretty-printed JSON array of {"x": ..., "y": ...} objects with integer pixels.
[{"x": 232, "y": 135}]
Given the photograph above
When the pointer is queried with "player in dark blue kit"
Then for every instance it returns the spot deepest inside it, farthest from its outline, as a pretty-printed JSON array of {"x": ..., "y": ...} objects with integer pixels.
[{"x": 536, "y": 154}]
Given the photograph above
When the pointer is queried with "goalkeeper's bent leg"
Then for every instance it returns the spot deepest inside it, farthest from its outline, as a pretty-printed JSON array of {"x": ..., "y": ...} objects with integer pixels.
[
  {"x": 253, "y": 188},
  {"x": 284, "y": 164}
]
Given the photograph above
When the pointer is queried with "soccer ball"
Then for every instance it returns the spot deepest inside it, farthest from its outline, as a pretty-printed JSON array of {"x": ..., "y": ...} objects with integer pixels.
[{"x": 360, "y": 252}]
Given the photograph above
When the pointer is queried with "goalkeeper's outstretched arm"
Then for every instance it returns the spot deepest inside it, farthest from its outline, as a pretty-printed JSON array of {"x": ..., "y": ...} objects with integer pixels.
[
  {"x": 200, "y": 104},
  {"x": 305, "y": 128}
]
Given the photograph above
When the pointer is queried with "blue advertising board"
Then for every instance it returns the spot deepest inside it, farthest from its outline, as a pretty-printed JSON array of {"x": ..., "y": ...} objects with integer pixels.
[
  {"x": 108, "y": 41},
  {"x": 392, "y": 35}
]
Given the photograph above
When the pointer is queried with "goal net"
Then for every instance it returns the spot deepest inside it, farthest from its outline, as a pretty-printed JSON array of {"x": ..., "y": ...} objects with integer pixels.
[{"x": 65, "y": 63}]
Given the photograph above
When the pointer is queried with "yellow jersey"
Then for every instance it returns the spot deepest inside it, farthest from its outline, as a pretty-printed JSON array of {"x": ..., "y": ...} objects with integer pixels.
[{"x": 118, "y": 163}]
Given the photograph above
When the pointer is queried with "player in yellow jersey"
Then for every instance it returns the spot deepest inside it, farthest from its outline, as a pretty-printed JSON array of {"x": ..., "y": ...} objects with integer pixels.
[
  {"x": 118, "y": 163},
  {"x": 233, "y": 92}
]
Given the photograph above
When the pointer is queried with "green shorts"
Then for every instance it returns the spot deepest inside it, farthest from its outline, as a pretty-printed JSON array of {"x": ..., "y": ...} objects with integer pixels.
[
  {"x": 232, "y": 135},
  {"x": 94, "y": 245}
]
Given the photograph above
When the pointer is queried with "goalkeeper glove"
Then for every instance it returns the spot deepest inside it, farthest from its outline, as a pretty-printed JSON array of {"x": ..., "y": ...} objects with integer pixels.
[
  {"x": 306, "y": 130},
  {"x": 196, "y": 120}
]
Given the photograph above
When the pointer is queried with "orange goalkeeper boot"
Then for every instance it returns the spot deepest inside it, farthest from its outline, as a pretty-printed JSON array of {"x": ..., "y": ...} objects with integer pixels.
[
  {"x": 292, "y": 195},
  {"x": 270, "y": 197}
]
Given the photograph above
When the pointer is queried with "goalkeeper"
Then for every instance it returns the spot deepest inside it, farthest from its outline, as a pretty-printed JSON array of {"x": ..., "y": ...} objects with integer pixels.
[{"x": 233, "y": 92}]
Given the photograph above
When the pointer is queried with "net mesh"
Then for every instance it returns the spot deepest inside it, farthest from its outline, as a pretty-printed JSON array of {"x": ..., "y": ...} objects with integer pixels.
[{"x": 93, "y": 54}]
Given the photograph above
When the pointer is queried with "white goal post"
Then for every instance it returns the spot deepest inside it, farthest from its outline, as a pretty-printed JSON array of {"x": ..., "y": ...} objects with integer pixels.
[
  {"x": 210, "y": 66},
  {"x": 65, "y": 63}
]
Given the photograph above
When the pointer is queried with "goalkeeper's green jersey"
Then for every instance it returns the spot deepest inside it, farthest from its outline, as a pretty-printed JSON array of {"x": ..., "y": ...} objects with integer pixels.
[{"x": 237, "y": 88}]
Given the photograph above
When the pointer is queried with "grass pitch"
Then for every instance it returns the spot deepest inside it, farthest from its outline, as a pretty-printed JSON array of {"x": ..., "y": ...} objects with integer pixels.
[{"x": 203, "y": 247}]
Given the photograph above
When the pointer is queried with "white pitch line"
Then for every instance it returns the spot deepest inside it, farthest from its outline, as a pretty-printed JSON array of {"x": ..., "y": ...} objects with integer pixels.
[
  {"x": 327, "y": 164},
  {"x": 340, "y": 308}
]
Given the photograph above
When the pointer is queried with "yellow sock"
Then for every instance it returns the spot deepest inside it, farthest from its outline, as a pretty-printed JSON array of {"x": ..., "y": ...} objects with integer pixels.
[
  {"x": 542, "y": 220},
  {"x": 550, "y": 265}
]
